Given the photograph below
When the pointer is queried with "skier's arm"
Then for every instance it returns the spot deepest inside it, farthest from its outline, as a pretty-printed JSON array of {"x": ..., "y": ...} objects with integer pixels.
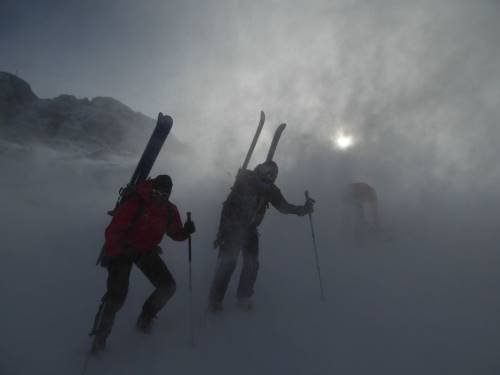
[
  {"x": 175, "y": 229},
  {"x": 281, "y": 204},
  {"x": 116, "y": 230}
]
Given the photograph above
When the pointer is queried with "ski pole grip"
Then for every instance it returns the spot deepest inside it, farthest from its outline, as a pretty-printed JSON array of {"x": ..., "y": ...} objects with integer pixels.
[
  {"x": 189, "y": 216},
  {"x": 306, "y": 193}
]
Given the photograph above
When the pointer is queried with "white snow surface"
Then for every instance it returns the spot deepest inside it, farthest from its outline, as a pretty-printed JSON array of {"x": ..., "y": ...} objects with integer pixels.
[{"x": 422, "y": 299}]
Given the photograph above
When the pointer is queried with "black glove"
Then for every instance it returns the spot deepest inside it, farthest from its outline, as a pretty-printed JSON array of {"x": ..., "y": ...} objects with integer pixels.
[
  {"x": 309, "y": 205},
  {"x": 307, "y": 208},
  {"x": 189, "y": 227}
]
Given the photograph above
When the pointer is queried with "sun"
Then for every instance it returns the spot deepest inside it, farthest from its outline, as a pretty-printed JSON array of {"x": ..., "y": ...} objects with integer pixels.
[{"x": 342, "y": 140}]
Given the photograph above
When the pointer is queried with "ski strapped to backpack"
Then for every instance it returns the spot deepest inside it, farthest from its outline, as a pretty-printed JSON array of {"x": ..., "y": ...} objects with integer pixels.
[
  {"x": 160, "y": 133},
  {"x": 274, "y": 143},
  {"x": 254, "y": 140}
]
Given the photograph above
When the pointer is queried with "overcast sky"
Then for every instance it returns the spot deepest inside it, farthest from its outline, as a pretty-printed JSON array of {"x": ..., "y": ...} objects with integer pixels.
[{"x": 416, "y": 83}]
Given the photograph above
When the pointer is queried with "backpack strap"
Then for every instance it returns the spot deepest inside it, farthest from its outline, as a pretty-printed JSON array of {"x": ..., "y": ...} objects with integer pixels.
[{"x": 141, "y": 210}]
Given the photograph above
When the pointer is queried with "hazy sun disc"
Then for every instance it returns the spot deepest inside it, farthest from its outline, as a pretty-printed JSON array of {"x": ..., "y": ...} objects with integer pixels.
[{"x": 343, "y": 141}]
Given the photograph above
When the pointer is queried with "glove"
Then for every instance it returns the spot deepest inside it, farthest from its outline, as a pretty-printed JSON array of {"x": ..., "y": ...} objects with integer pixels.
[
  {"x": 189, "y": 227},
  {"x": 307, "y": 208},
  {"x": 309, "y": 205}
]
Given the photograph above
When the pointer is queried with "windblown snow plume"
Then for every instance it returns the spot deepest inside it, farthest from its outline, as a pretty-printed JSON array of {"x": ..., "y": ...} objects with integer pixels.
[{"x": 413, "y": 83}]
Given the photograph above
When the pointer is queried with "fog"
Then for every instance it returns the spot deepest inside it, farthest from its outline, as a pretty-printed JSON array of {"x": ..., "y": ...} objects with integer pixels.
[{"x": 415, "y": 83}]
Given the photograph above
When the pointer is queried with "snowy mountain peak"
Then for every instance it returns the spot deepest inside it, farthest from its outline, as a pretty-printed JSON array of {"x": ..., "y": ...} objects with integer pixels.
[
  {"x": 100, "y": 125},
  {"x": 15, "y": 93}
]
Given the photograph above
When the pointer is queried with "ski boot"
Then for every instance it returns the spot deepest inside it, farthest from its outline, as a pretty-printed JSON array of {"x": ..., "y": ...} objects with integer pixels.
[
  {"x": 98, "y": 345},
  {"x": 145, "y": 323}
]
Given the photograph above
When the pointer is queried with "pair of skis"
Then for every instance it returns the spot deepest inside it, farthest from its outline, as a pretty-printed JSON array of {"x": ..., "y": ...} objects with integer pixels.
[
  {"x": 274, "y": 143},
  {"x": 270, "y": 154}
]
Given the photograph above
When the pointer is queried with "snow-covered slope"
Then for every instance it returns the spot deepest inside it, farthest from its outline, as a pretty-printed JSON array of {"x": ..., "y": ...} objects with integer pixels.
[{"x": 422, "y": 302}]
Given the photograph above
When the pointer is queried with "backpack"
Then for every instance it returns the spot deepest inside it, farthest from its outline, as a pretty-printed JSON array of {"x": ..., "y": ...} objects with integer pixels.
[{"x": 125, "y": 194}]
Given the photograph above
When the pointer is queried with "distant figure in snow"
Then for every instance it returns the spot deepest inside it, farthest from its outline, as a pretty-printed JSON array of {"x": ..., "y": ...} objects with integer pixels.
[
  {"x": 242, "y": 213},
  {"x": 132, "y": 237},
  {"x": 361, "y": 214}
]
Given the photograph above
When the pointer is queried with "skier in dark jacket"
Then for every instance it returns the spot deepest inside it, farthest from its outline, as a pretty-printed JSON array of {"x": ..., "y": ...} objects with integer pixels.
[
  {"x": 242, "y": 212},
  {"x": 132, "y": 237}
]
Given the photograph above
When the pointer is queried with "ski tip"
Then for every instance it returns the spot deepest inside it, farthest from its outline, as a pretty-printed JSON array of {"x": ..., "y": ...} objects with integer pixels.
[
  {"x": 280, "y": 128},
  {"x": 169, "y": 120},
  {"x": 165, "y": 119}
]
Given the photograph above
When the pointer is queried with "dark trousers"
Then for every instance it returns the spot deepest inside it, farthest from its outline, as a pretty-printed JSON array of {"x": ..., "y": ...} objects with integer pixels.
[
  {"x": 248, "y": 243},
  {"x": 151, "y": 264}
]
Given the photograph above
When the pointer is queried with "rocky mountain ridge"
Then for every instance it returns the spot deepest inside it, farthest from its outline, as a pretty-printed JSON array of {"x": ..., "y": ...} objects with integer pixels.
[{"x": 100, "y": 125}]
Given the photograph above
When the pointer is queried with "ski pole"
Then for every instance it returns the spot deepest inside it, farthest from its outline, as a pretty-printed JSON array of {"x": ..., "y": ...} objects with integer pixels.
[
  {"x": 315, "y": 249},
  {"x": 85, "y": 364},
  {"x": 191, "y": 331}
]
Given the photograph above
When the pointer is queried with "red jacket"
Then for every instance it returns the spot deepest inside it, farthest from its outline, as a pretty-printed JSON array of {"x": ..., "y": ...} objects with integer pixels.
[{"x": 147, "y": 232}]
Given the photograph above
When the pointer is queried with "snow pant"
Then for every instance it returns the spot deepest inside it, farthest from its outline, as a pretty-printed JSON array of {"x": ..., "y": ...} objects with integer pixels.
[
  {"x": 248, "y": 243},
  {"x": 151, "y": 264}
]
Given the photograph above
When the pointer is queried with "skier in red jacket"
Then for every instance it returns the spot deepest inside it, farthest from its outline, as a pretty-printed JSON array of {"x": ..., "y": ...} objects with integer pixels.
[{"x": 132, "y": 237}]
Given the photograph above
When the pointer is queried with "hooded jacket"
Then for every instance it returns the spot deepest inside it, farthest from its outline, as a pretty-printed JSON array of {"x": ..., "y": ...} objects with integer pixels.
[
  {"x": 250, "y": 197},
  {"x": 141, "y": 222}
]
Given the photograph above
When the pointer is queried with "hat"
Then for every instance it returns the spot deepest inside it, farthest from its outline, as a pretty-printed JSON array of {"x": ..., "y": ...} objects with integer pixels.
[{"x": 163, "y": 182}]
